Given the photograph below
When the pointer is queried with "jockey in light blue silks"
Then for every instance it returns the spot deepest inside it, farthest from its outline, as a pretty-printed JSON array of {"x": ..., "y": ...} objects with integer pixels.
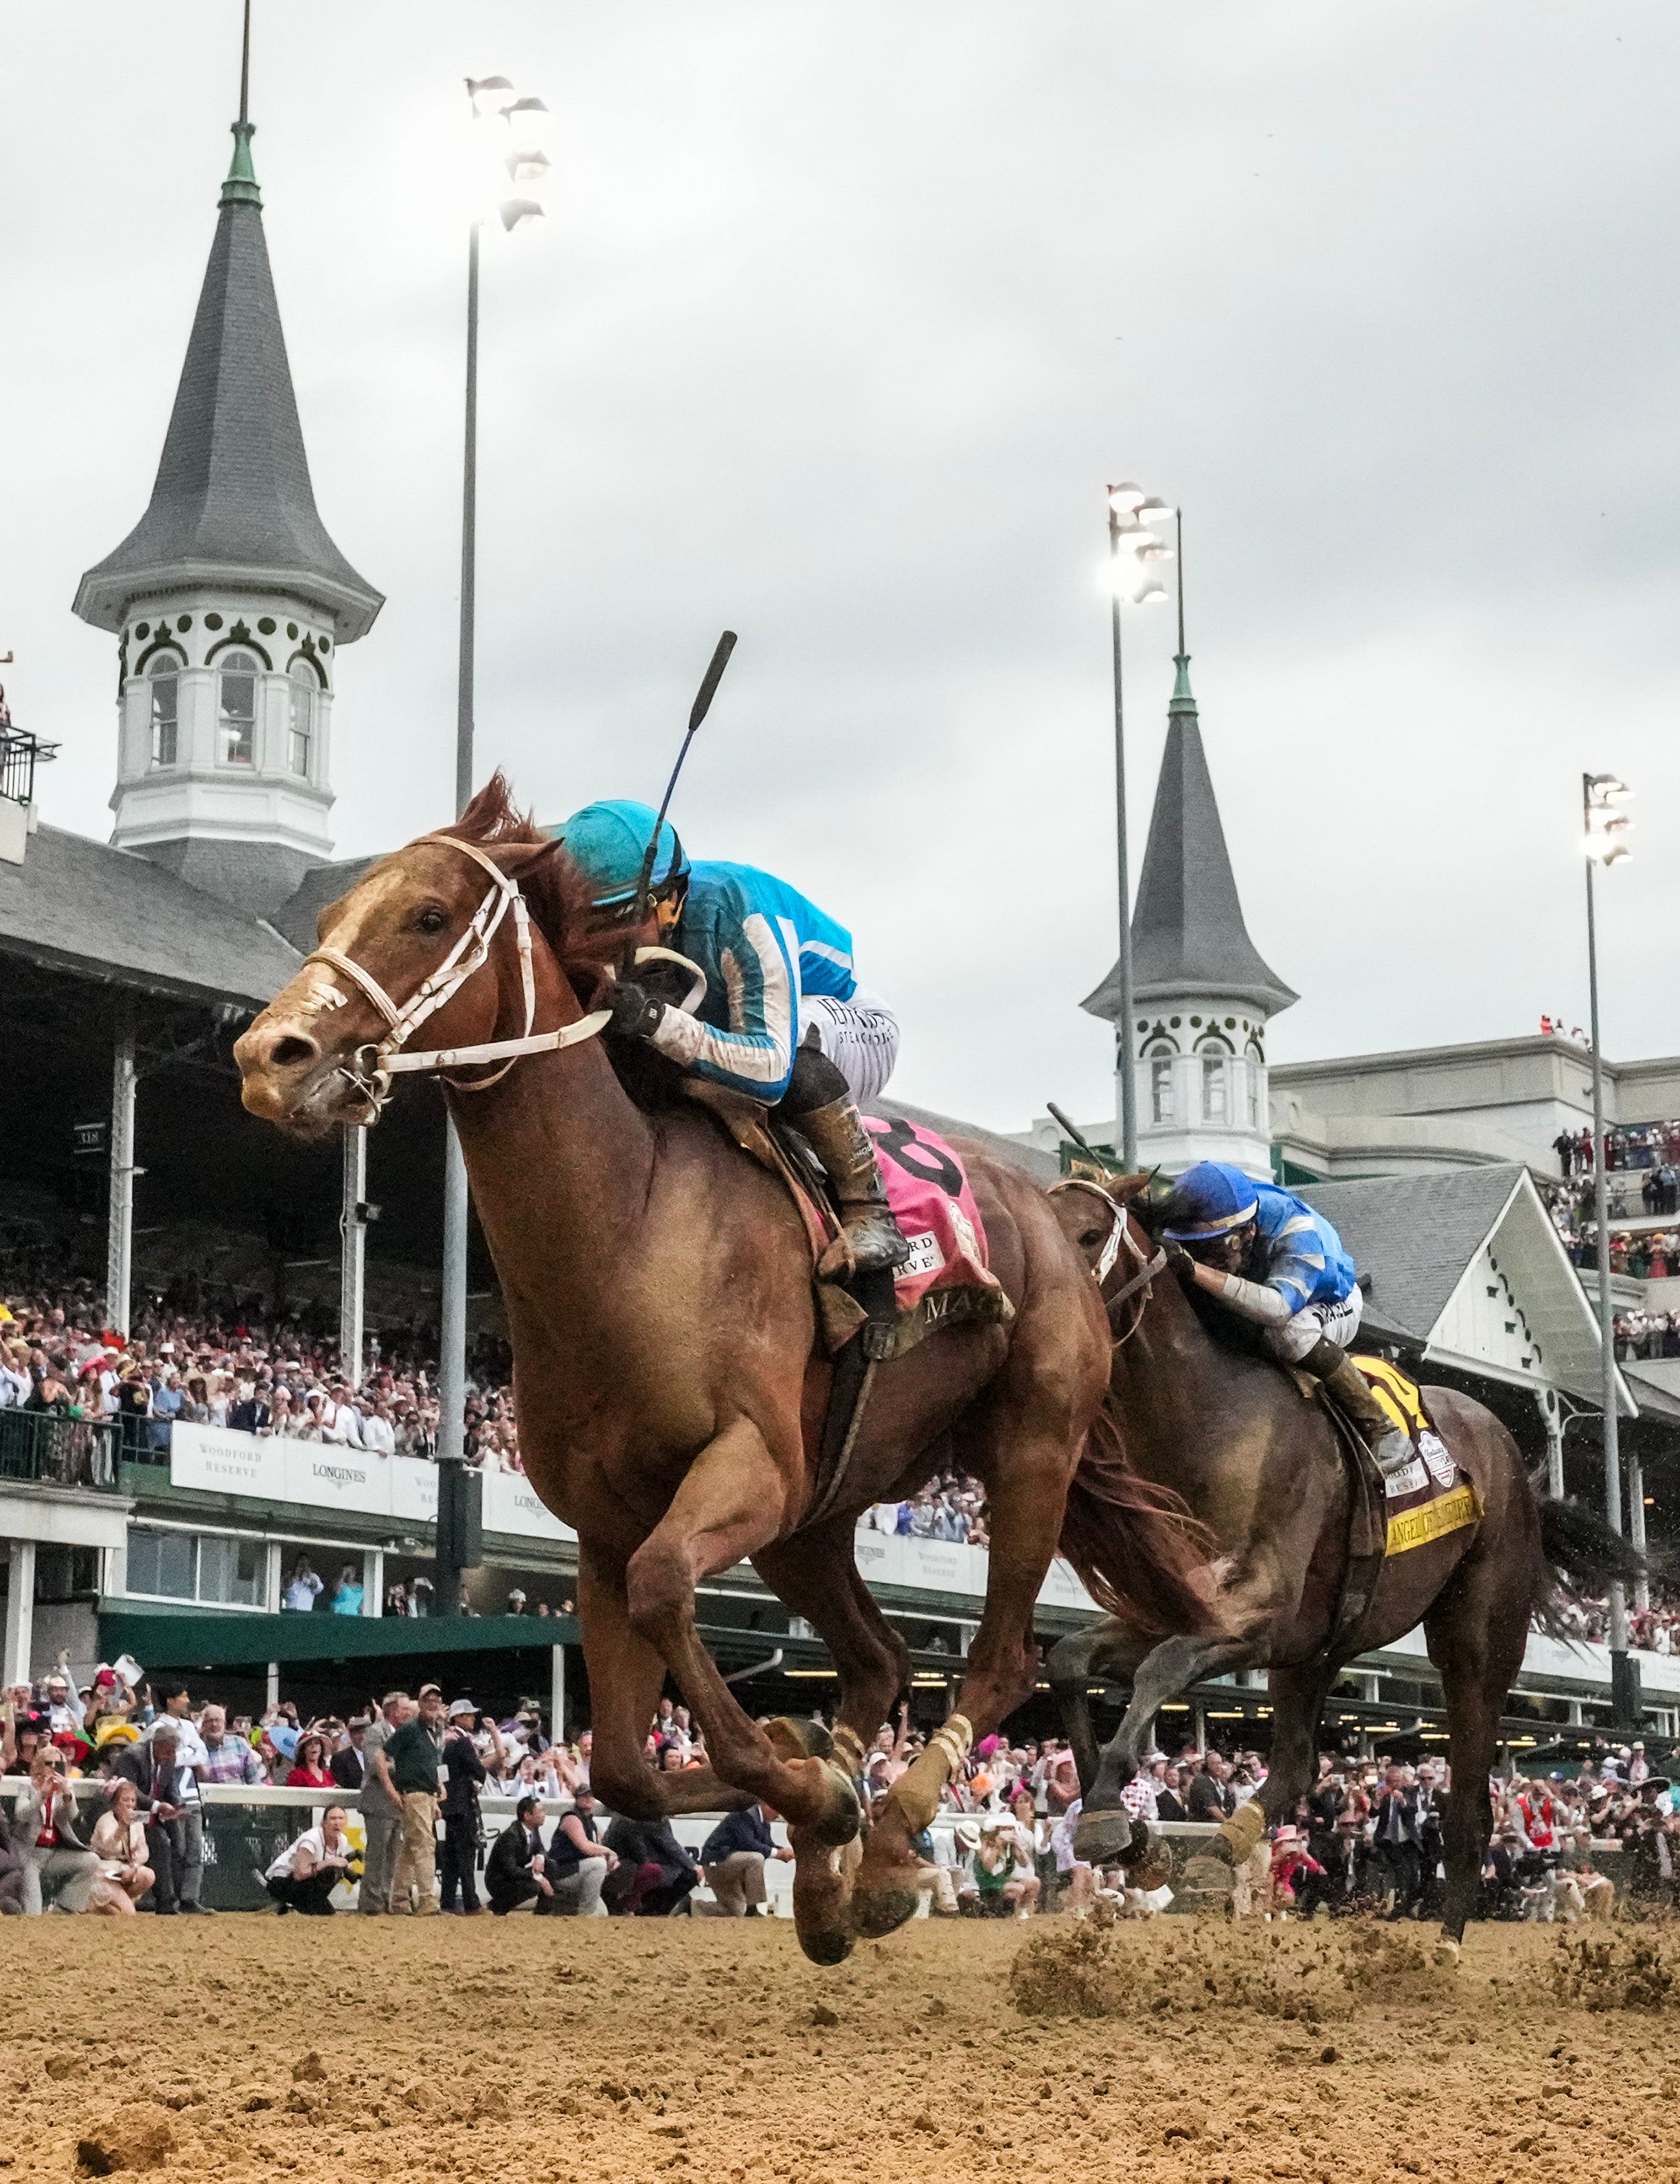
[
  {"x": 783, "y": 1018},
  {"x": 1266, "y": 1254}
]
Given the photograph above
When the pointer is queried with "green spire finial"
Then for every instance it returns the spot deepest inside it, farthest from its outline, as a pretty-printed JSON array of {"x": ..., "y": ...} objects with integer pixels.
[
  {"x": 241, "y": 185},
  {"x": 1182, "y": 701}
]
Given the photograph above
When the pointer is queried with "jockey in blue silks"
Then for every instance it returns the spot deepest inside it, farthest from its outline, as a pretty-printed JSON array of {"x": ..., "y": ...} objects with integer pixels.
[
  {"x": 782, "y": 1020},
  {"x": 1266, "y": 1254}
]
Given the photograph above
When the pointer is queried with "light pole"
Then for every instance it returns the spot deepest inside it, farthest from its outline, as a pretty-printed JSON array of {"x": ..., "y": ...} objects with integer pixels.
[
  {"x": 520, "y": 167},
  {"x": 1605, "y": 831},
  {"x": 1130, "y": 514}
]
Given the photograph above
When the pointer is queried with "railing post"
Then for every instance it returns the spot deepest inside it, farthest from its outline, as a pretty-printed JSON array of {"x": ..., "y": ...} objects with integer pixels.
[
  {"x": 119, "y": 1229},
  {"x": 19, "y": 1611},
  {"x": 352, "y": 1256}
]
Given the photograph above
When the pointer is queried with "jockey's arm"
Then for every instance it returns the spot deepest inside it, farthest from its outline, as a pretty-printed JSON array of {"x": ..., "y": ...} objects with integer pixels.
[
  {"x": 1256, "y": 1300},
  {"x": 745, "y": 955}
]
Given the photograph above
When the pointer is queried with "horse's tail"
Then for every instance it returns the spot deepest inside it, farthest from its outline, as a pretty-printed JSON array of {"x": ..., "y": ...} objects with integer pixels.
[
  {"x": 1583, "y": 1558},
  {"x": 1141, "y": 1553}
]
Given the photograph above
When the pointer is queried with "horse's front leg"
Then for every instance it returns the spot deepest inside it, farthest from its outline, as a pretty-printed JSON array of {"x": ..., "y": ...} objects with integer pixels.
[
  {"x": 731, "y": 1504},
  {"x": 626, "y": 1675}
]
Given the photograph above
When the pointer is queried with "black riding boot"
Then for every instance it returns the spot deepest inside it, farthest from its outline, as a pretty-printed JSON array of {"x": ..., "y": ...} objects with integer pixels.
[{"x": 1329, "y": 1362}]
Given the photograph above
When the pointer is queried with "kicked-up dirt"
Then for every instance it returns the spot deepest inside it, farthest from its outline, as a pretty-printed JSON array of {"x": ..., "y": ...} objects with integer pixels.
[{"x": 545, "y": 2051}]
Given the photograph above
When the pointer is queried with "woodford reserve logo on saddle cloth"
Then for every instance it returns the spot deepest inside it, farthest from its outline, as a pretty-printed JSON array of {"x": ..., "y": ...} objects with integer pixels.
[{"x": 1426, "y": 1498}]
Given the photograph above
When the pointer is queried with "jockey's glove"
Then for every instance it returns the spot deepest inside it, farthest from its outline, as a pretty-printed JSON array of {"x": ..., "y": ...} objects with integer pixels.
[
  {"x": 1179, "y": 1260},
  {"x": 635, "y": 1013}
]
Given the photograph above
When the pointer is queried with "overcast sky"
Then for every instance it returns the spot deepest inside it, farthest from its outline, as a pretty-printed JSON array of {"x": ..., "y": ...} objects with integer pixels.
[{"x": 842, "y": 317}]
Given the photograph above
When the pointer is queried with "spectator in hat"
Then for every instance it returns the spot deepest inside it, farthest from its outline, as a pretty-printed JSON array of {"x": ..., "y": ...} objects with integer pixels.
[
  {"x": 381, "y": 1805},
  {"x": 309, "y": 1769},
  {"x": 307, "y": 1871},
  {"x": 46, "y": 1831},
  {"x": 579, "y": 1862},
  {"x": 733, "y": 1858},
  {"x": 176, "y": 1701},
  {"x": 349, "y": 1764},
  {"x": 464, "y": 1777},
  {"x": 414, "y": 1756}
]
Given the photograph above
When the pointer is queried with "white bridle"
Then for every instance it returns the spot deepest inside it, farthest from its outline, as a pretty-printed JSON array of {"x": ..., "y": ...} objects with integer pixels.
[{"x": 372, "y": 1076}]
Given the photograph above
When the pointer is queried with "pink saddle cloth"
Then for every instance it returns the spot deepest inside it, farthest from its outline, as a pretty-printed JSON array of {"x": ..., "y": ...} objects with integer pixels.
[{"x": 928, "y": 1190}]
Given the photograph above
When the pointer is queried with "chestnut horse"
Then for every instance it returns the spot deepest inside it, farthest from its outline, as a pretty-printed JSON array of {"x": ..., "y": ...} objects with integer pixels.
[
  {"x": 1262, "y": 1469},
  {"x": 670, "y": 1385}
]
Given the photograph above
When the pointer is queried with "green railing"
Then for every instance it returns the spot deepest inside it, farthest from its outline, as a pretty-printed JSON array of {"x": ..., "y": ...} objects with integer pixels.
[{"x": 55, "y": 1451}]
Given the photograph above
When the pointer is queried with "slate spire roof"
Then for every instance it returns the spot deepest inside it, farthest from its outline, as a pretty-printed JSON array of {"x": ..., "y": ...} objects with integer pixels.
[
  {"x": 233, "y": 498},
  {"x": 1188, "y": 938}
]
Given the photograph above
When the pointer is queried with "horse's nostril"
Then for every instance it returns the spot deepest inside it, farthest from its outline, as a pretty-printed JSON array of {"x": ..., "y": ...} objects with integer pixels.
[{"x": 288, "y": 1052}]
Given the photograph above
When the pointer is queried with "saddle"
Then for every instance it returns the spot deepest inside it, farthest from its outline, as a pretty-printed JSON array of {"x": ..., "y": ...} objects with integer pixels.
[
  {"x": 871, "y": 1319},
  {"x": 1424, "y": 1501}
]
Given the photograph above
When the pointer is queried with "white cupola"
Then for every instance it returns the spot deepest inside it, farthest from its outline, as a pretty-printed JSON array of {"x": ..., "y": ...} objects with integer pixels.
[
  {"x": 1203, "y": 993},
  {"x": 230, "y": 602}
]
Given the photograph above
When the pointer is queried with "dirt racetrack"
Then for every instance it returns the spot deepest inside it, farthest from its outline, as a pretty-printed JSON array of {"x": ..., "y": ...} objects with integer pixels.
[{"x": 547, "y": 2052}]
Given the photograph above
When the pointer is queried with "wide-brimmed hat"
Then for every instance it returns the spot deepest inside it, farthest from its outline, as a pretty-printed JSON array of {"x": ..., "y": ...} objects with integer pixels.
[
  {"x": 966, "y": 1835},
  {"x": 114, "y": 1732}
]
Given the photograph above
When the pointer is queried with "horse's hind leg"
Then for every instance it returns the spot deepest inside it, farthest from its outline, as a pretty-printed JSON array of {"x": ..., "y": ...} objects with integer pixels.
[
  {"x": 1477, "y": 1632},
  {"x": 1110, "y": 1649},
  {"x": 1103, "y": 1829},
  {"x": 1297, "y": 1697}
]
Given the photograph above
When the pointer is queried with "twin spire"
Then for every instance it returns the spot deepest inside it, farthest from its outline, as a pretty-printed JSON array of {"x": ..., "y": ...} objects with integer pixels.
[
  {"x": 1189, "y": 938},
  {"x": 233, "y": 501}
]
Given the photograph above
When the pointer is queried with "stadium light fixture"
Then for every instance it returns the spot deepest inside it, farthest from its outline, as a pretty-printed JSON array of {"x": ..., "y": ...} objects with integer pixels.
[
  {"x": 1605, "y": 827},
  {"x": 1126, "y": 499},
  {"x": 1153, "y": 511}
]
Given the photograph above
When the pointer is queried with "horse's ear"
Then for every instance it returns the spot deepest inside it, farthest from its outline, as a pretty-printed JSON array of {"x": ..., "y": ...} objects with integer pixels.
[{"x": 1123, "y": 1189}]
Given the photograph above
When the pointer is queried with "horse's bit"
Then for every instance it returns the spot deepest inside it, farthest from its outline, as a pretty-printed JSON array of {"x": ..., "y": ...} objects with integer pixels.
[
  {"x": 1119, "y": 1231},
  {"x": 375, "y": 1065}
]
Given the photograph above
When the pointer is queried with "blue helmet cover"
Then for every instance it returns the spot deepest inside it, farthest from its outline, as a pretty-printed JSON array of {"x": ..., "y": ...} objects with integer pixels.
[{"x": 1209, "y": 1199}]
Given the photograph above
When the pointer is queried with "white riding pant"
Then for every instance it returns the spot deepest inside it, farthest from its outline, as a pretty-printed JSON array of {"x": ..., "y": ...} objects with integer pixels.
[
  {"x": 1336, "y": 1321},
  {"x": 860, "y": 1037}
]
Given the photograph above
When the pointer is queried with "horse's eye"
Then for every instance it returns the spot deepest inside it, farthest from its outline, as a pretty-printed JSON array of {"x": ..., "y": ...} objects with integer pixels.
[
  {"x": 1090, "y": 1239},
  {"x": 431, "y": 919}
]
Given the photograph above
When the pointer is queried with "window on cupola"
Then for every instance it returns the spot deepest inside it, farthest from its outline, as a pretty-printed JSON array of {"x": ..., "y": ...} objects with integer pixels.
[
  {"x": 236, "y": 708},
  {"x": 166, "y": 696},
  {"x": 302, "y": 688}
]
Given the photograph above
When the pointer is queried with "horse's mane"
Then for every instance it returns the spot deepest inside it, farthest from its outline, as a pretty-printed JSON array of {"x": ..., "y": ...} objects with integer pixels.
[
  {"x": 556, "y": 893},
  {"x": 586, "y": 947}
]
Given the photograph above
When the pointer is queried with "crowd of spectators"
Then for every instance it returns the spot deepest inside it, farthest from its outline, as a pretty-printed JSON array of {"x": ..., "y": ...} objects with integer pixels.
[
  {"x": 952, "y": 1507},
  {"x": 229, "y": 1368},
  {"x": 1368, "y": 1836},
  {"x": 1652, "y": 1629}
]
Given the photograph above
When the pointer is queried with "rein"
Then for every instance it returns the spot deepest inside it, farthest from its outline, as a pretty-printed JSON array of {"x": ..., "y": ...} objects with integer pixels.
[
  {"x": 1120, "y": 1232},
  {"x": 375, "y": 1065}
]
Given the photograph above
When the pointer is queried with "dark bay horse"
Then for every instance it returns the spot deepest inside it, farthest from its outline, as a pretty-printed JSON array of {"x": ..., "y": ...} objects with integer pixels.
[
  {"x": 670, "y": 1385},
  {"x": 1261, "y": 1468}
]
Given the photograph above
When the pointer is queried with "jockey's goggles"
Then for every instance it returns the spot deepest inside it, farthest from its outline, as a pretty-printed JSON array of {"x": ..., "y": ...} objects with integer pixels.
[{"x": 1204, "y": 1232}]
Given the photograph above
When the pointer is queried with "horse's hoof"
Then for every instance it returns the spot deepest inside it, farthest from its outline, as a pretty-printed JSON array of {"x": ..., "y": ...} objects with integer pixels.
[
  {"x": 831, "y": 1946},
  {"x": 797, "y": 1739},
  {"x": 878, "y": 1911},
  {"x": 844, "y": 1816},
  {"x": 1447, "y": 1950},
  {"x": 1101, "y": 1838},
  {"x": 1148, "y": 1862}
]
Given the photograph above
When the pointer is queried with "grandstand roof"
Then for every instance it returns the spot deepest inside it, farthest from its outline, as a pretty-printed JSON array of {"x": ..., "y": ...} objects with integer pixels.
[{"x": 83, "y": 906}]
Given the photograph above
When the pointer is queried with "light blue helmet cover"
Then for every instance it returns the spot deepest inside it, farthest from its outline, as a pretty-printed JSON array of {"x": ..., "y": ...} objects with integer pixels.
[{"x": 608, "y": 843}]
